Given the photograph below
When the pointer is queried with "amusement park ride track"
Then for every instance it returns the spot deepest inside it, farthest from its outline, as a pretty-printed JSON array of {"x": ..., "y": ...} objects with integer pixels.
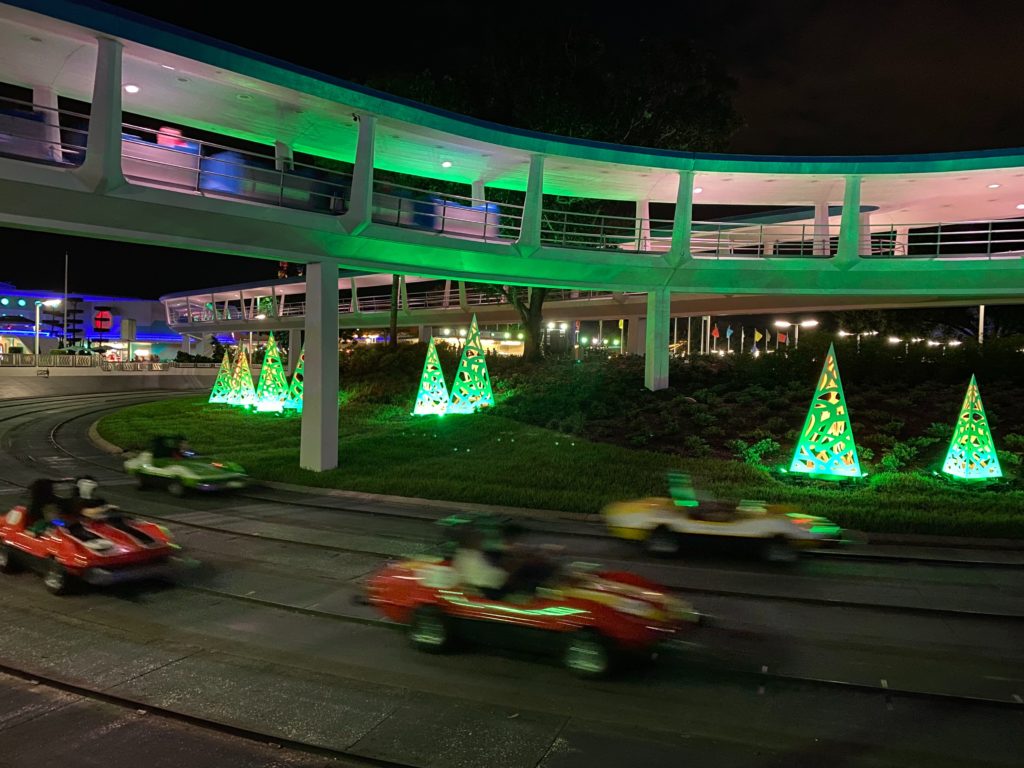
[{"x": 86, "y": 408}]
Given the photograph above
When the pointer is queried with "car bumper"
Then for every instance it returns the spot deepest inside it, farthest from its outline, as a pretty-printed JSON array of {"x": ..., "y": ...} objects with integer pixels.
[
  {"x": 233, "y": 484},
  {"x": 104, "y": 577}
]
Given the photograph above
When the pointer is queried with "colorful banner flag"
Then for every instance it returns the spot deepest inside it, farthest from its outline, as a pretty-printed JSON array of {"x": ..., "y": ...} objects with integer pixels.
[
  {"x": 757, "y": 336},
  {"x": 728, "y": 332},
  {"x": 714, "y": 331},
  {"x": 783, "y": 339},
  {"x": 767, "y": 336}
]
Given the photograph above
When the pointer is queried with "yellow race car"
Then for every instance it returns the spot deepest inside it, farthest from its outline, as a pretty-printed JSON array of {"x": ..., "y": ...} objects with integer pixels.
[{"x": 776, "y": 532}]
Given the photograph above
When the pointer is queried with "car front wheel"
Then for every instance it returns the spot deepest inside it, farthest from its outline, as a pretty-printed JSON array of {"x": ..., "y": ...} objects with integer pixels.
[
  {"x": 175, "y": 488},
  {"x": 587, "y": 654},
  {"x": 430, "y": 629},
  {"x": 56, "y": 580}
]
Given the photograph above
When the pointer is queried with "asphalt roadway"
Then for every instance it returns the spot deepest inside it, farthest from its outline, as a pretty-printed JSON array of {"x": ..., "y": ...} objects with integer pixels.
[{"x": 833, "y": 661}]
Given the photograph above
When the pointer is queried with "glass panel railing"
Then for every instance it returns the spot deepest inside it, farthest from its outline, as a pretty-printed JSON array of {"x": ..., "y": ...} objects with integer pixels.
[
  {"x": 452, "y": 215},
  {"x": 568, "y": 229},
  {"x": 736, "y": 239}
]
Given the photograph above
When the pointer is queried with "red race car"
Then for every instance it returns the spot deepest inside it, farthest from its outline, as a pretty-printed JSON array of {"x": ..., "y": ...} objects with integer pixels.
[
  {"x": 103, "y": 550},
  {"x": 589, "y": 618}
]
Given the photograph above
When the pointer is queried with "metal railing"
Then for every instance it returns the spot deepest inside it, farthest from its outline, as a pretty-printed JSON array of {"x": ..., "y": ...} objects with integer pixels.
[
  {"x": 999, "y": 239},
  {"x": 568, "y": 229},
  {"x": 41, "y": 134},
  {"x": 453, "y": 215},
  {"x": 754, "y": 239}
]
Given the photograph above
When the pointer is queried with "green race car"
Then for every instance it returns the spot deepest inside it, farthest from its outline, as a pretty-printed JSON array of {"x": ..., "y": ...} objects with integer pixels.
[{"x": 171, "y": 463}]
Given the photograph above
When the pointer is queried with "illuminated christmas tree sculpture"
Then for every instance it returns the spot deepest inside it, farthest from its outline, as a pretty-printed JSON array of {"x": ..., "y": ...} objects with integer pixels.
[
  {"x": 294, "y": 399},
  {"x": 242, "y": 392},
  {"x": 272, "y": 390},
  {"x": 826, "y": 447},
  {"x": 972, "y": 452},
  {"x": 471, "y": 389},
  {"x": 222, "y": 386},
  {"x": 433, "y": 394}
]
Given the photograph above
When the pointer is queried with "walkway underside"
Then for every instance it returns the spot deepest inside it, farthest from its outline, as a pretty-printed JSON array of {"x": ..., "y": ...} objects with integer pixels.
[{"x": 49, "y": 199}]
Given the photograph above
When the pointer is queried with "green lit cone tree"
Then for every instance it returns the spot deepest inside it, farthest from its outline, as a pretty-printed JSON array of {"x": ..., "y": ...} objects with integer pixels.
[
  {"x": 242, "y": 392},
  {"x": 222, "y": 386},
  {"x": 471, "y": 389},
  {"x": 432, "y": 397},
  {"x": 972, "y": 451},
  {"x": 294, "y": 400},
  {"x": 826, "y": 447},
  {"x": 272, "y": 390}
]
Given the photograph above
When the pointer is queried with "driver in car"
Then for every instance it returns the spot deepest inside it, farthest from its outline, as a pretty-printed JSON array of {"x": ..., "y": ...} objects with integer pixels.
[{"x": 501, "y": 566}]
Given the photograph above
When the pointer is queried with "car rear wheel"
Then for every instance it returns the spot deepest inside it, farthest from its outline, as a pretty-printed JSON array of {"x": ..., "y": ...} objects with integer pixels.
[
  {"x": 778, "y": 550},
  {"x": 141, "y": 481},
  {"x": 663, "y": 542},
  {"x": 56, "y": 579},
  {"x": 7, "y": 564},
  {"x": 430, "y": 629},
  {"x": 587, "y": 654},
  {"x": 175, "y": 488}
]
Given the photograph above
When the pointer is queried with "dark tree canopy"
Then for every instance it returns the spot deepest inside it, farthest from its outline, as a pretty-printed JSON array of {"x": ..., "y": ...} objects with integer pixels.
[{"x": 669, "y": 95}]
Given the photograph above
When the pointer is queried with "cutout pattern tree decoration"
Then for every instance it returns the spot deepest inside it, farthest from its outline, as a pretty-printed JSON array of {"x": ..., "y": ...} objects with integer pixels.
[
  {"x": 826, "y": 447},
  {"x": 295, "y": 389},
  {"x": 972, "y": 452},
  {"x": 242, "y": 392},
  {"x": 471, "y": 389},
  {"x": 272, "y": 390},
  {"x": 433, "y": 395},
  {"x": 222, "y": 386}
]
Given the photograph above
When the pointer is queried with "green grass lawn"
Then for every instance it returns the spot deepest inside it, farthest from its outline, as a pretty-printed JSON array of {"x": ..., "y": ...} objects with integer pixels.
[{"x": 490, "y": 459}]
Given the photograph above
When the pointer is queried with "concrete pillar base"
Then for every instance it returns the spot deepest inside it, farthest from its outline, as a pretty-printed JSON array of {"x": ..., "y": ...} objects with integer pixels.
[{"x": 659, "y": 305}]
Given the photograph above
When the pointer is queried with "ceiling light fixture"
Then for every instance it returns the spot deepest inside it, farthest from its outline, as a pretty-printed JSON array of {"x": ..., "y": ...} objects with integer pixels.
[
  {"x": 167, "y": 66},
  {"x": 446, "y": 164},
  {"x": 994, "y": 186},
  {"x": 132, "y": 88},
  {"x": 698, "y": 190}
]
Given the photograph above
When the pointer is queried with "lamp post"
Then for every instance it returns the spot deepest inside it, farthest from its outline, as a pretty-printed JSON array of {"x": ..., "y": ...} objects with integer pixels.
[
  {"x": 796, "y": 328},
  {"x": 858, "y": 335},
  {"x": 40, "y": 305}
]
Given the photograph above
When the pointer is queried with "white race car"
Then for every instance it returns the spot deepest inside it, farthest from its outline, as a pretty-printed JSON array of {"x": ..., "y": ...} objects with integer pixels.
[
  {"x": 775, "y": 532},
  {"x": 180, "y": 470}
]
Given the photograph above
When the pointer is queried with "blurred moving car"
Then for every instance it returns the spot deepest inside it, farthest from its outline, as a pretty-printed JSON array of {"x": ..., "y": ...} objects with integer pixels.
[
  {"x": 589, "y": 618},
  {"x": 102, "y": 548},
  {"x": 171, "y": 463},
  {"x": 776, "y": 532}
]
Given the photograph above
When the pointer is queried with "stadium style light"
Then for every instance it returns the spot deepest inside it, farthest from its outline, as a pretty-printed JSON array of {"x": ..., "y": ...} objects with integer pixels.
[
  {"x": 40, "y": 305},
  {"x": 796, "y": 328}
]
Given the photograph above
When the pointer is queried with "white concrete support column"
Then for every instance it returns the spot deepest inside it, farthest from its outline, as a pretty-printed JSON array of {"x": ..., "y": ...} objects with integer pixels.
[
  {"x": 318, "y": 447},
  {"x": 102, "y": 167},
  {"x": 44, "y": 99},
  {"x": 643, "y": 226},
  {"x": 820, "y": 246},
  {"x": 849, "y": 229},
  {"x": 447, "y": 294},
  {"x": 478, "y": 193},
  {"x": 659, "y": 303},
  {"x": 901, "y": 246},
  {"x": 353, "y": 305},
  {"x": 981, "y": 323},
  {"x": 283, "y": 159},
  {"x": 294, "y": 349},
  {"x": 636, "y": 335},
  {"x": 864, "y": 247},
  {"x": 463, "y": 302},
  {"x": 682, "y": 221},
  {"x": 360, "y": 209},
  {"x": 529, "y": 234},
  {"x": 425, "y": 333},
  {"x": 403, "y": 294}
]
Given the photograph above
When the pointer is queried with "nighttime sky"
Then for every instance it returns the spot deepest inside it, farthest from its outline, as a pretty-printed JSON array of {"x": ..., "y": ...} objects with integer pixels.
[{"x": 811, "y": 78}]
